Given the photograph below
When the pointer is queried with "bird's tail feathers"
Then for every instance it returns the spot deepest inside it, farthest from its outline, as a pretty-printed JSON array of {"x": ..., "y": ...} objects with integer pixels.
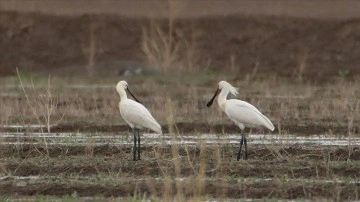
[
  {"x": 157, "y": 129},
  {"x": 268, "y": 124}
]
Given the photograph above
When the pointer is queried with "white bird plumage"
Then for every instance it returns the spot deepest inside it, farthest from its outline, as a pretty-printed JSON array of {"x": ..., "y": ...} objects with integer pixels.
[
  {"x": 242, "y": 113},
  {"x": 135, "y": 114}
]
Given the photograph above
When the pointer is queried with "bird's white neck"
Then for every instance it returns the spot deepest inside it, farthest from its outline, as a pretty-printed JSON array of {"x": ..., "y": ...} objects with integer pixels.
[
  {"x": 222, "y": 97},
  {"x": 122, "y": 94}
]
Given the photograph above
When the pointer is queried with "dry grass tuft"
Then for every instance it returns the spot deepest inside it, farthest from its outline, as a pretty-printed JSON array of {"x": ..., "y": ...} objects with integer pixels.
[
  {"x": 42, "y": 104},
  {"x": 167, "y": 48}
]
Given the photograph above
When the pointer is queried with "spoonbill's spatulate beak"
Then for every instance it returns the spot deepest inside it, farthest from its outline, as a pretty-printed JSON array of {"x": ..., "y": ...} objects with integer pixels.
[
  {"x": 212, "y": 99},
  {"x": 128, "y": 90}
]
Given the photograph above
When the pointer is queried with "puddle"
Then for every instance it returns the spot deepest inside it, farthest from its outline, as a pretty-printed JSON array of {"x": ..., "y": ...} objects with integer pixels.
[
  {"x": 22, "y": 126},
  {"x": 10, "y": 94},
  {"x": 34, "y": 178},
  {"x": 300, "y": 180},
  {"x": 30, "y": 177},
  {"x": 20, "y": 138}
]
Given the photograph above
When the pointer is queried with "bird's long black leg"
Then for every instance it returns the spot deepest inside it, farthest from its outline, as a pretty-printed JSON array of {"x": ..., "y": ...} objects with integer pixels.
[
  {"x": 134, "y": 150},
  {"x": 245, "y": 143},
  {"x": 138, "y": 131},
  {"x": 241, "y": 143}
]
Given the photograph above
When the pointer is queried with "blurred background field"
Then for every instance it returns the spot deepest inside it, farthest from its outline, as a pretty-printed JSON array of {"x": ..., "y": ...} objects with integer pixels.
[{"x": 318, "y": 41}]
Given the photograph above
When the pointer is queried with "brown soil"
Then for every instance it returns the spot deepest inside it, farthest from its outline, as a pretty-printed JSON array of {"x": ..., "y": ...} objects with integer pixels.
[
  {"x": 255, "y": 190},
  {"x": 278, "y": 45},
  {"x": 325, "y": 9},
  {"x": 303, "y": 163}
]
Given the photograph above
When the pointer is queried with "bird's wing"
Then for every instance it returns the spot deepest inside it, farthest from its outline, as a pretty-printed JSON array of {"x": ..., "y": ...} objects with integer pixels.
[
  {"x": 135, "y": 113},
  {"x": 245, "y": 113}
]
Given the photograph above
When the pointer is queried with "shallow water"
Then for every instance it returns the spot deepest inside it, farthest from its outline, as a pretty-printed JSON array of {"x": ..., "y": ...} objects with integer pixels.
[
  {"x": 181, "y": 179},
  {"x": 23, "y": 126},
  {"x": 166, "y": 139}
]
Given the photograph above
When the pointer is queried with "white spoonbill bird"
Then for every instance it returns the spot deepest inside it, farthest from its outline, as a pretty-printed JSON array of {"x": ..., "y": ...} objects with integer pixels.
[
  {"x": 242, "y": 113},
  {"x": 135, "y": 115}
]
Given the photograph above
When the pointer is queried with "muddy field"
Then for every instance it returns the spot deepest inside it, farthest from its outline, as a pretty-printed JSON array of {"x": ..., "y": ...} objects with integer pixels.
[
  {"x": 185, "y": 171},
  {"x": 86, "y": 152},
  {"x": 62, "y": 137}
]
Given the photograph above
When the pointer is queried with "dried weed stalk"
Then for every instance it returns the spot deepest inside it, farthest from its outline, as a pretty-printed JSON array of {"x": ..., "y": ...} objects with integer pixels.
[
  {"x": 167, "y": 48},
  {"x": 41, "y": 104}
]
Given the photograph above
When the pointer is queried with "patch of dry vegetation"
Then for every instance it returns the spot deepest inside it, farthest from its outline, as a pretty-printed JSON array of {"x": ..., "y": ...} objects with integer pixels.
[
  {"x": 285, "y": 102},
  {"x": 168, "y": 48}
]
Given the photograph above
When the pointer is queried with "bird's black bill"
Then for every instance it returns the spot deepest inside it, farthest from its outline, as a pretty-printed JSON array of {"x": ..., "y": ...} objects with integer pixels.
[
  {"x": 128, "y": 90},
  {"x": 212, "y": 99}
]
